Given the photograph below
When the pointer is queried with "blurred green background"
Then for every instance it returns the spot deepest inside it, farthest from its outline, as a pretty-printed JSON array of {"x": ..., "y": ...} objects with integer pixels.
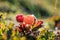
[{"x": 40, "y": 8}]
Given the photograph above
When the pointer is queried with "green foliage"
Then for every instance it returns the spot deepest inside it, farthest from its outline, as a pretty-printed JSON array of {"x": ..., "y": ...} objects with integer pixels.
[
  {"x": 47, "y": 36},
  {"x": 26, "y": 6},
  {"x": 10, "y": 1},
  {"x": 39, "y": 11},
  {"x": 6, "y": 9}
]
